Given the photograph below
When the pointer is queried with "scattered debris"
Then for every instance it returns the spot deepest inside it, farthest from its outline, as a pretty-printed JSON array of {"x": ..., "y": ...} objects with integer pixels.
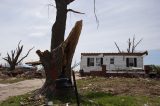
[{"x": 22, "y": 73}]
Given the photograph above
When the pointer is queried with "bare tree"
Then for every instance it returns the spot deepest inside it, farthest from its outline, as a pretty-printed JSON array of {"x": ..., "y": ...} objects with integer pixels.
[
  {"x": 131, "y": 45},
  {"x": 14, "y": 59}
]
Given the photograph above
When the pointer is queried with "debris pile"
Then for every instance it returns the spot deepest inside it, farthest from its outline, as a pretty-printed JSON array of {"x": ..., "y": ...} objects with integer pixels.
[{"x": 22, "y": 73}]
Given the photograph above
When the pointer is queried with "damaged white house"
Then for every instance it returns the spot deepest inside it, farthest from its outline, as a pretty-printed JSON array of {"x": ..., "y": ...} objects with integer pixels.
[{"x": 112, "y": 62}]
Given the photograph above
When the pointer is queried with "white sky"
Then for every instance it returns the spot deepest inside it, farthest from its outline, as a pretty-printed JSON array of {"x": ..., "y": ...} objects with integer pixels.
[{"x": 29, "y": 21}]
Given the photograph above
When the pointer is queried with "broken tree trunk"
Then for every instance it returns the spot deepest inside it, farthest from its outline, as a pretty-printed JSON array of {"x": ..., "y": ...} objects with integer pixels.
[{"x": 58, "y": 60}]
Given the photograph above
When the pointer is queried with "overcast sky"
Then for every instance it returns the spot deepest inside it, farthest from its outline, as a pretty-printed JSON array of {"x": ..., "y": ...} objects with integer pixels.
[{"x": 31, "y": 22}]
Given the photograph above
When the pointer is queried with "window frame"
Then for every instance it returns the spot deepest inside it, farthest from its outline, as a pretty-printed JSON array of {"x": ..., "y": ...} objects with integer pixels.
[
  {"x": 90, "y": 61},
  {"x": 131, "y": 62},
  {"x": 111, "y": 60},
  {"x": 99, "y": 61}
]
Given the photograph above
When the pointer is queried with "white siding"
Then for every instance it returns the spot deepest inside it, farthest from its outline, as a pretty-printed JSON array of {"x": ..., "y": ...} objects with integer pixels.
[
  {"x": 83, "y": 64},
  {"x": 119, "y": 63}
]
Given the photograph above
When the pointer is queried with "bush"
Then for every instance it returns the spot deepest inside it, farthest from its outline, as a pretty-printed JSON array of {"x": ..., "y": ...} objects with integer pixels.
[{"x": 156, "y": 68}]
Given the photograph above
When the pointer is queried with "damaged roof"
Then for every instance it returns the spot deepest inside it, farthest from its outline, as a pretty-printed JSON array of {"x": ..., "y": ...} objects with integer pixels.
[{"x": 119, "y": 54}]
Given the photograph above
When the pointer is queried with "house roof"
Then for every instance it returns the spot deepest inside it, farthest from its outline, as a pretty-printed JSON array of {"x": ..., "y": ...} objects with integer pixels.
[{"x": 119, "y": 54}]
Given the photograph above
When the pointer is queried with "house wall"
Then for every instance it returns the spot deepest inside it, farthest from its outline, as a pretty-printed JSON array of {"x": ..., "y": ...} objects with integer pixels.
[
  {"x": 83, "y": 64},
  {"x": 119, "y": 63}
]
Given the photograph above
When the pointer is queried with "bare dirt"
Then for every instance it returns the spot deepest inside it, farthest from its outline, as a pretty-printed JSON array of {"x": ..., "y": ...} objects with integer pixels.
[
  {"x": 122, "y": 86},
  {"x": 22, "y": 87},
  {"x": 19, "y": 88},
  {"x": 117, "y": 86}
]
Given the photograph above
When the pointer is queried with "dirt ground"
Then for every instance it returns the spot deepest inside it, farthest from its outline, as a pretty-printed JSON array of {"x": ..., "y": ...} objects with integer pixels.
[
  {"x": 117, "y": 86},
  {"x": 22, "y": 87},
  {"x": 122, "y": 86},
  {"x": 7, "y": 90}
]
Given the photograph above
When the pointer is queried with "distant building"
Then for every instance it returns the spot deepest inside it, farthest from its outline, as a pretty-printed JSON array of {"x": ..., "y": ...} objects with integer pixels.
[{"x": 112, "y": 62}]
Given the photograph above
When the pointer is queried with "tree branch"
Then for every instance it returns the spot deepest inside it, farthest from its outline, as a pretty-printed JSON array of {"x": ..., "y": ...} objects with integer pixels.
[
  {"x": 39, "y": 53},
  {"x": 25, "y": 55},
  {"x": 13, "y": 54},
  {"x": 133, "y": 43},
  {"x": 138, "y": 43},
  {"x": 51, "y": 5},
  {"x": 129, "y": 45},
  {"x": 5, "y": 58},
  {"x": 95, "y": 14},
  {"x": 48, "y": 8},
  {"x": 19, "y": 45},
  {"x": 19, "y": 50},
  {"x": 117, "y": 47},
  {"x": 69, "y": 1},
  {"x": 71, "y": 10},
  {"x": 9, "y": 58}
]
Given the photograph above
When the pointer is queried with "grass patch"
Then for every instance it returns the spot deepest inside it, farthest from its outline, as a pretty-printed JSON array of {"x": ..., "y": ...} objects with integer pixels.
[
  {"x": 11, "y": 80},
  {"x": 89, "y": 99},
  {"x": 104, "y": 99},
  {"x": 15, "y": 101},
  {"x": 96, "y": 91}
]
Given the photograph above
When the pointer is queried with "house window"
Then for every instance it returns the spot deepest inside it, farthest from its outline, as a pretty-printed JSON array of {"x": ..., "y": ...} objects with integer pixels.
[
  {"x": 111, "y": 60},
  {"x": 99, "y": 61},
  {"x": 131, "y": 62},
  {"x": 90, "y": 62}
]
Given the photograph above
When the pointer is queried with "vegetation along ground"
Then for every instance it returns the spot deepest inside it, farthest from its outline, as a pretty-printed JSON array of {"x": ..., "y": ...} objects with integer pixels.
[{"x": 97, "y": 91}]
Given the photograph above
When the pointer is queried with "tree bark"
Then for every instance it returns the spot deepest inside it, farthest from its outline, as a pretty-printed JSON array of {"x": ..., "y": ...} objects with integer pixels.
[
  {"x": 58, "y": 60},
  {"x": 58, "y": 29},
  {"x": 12, "y": 67}
]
